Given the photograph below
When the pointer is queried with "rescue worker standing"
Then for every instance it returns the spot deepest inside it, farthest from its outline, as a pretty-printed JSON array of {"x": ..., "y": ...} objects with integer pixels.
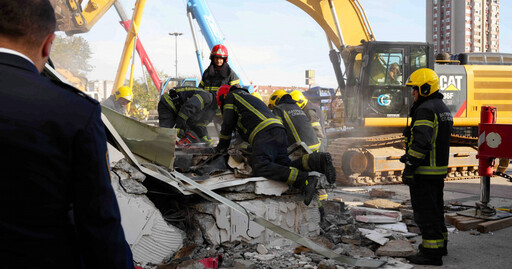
[
  {"x": 426, "y": 164},
  {"x": 218, "y": 72},
  {"x": 119, "y": 100},
  {"x": 314, "y": 114},
  {"x": 186, "y": 108}
]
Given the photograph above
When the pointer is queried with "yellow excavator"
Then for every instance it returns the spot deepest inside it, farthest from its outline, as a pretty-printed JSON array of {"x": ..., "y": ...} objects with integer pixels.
[{"x": 376, "y": 104}]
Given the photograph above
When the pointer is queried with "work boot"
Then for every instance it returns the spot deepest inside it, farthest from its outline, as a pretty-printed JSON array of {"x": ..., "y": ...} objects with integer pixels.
[
  {"x": 444, "y": 249},
  {"x": 424, "y": 259},
  {"x": 322, "y": 162},
  {"x": 309, "y": 188},
  {"x": 306, "y": 182}
]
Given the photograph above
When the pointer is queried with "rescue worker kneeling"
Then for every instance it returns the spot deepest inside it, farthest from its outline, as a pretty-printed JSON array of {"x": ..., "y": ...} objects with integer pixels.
[
  {"x": 186, "y": 108},
  {"x": 314, "y": 114},
  {"x": 256, "y": 124},
  {"x": 299, "y": 129}
]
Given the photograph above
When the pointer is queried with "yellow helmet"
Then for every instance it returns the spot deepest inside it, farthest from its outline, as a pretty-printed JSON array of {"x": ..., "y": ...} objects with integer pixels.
[
  {"x": 425, "y": 80},
  {"x": 301, "y": 100},
  {"x": 124, "y": 92},
  {"x": 275, "y": 97},
  {"x": 257, "y": 95}
]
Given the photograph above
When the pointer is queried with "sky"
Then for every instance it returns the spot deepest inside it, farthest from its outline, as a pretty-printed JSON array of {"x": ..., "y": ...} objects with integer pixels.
[{"x": 270, "y": 42}]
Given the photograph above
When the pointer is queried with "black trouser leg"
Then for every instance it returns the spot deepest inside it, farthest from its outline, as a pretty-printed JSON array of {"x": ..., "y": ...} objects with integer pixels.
[
  {"x": 427, "y": 203},
  {"x": 270, "y": 157}
]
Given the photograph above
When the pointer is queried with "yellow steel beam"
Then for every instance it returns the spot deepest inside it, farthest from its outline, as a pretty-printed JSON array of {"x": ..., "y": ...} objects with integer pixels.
[{"x": 128, "y": 44}]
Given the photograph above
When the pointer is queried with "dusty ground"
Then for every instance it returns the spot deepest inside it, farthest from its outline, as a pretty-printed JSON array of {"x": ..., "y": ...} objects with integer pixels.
[{"x": 466, "y": 249}]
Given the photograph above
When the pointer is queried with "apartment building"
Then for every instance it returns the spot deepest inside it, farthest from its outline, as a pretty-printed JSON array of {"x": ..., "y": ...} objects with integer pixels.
[{"x": 456, "y": 26}]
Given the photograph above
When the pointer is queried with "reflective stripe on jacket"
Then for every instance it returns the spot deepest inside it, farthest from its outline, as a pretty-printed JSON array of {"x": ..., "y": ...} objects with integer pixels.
[
  {"x": 245, "y": 113},
  {"x": 213, "y": 78},
  {"x": 297, "y": 124},
  {"x": 428, "y": 142}
]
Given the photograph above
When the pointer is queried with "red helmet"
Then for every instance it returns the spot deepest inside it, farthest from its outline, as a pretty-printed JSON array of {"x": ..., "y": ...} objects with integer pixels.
[
  {"x": 219, "y": 51},
  {"x": 221, "y": 93}
]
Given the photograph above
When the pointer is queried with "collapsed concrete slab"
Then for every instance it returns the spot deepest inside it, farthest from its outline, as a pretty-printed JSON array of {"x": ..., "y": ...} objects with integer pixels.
[
  {"x": 151, "y": 238},
  {"x": 220, "y": 223}
]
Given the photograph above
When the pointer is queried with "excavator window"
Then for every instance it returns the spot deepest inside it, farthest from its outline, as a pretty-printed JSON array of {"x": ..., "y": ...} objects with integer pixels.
[
  {"x": 386, "y": 94},
  {"x": 386, "y": 68}
]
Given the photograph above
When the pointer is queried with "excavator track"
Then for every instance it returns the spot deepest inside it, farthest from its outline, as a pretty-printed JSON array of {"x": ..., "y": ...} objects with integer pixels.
[{"x": 364, "y": 161}]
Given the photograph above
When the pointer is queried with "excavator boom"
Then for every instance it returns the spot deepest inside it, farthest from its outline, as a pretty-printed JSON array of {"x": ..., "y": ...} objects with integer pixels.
[{"x": 334, "y": 16}]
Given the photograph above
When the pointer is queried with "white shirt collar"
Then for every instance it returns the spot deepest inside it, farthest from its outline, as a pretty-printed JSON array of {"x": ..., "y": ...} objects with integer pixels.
[{"x": 10, "y": 51}]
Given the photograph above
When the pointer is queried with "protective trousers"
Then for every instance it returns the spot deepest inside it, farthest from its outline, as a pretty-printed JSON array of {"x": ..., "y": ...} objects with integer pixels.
[
  {"x": 428, "y": 205},
  {"x": 270, "y": 158}
]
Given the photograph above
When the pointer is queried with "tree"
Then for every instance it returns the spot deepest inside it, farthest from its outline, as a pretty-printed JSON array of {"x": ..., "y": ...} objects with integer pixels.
[
  {"x": 73, "y": 54},
  {"x": 144, "y": 98}
]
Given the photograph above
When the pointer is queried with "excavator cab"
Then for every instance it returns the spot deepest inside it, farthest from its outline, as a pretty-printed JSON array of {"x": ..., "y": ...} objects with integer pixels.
[{"x": 376, "y": 77}]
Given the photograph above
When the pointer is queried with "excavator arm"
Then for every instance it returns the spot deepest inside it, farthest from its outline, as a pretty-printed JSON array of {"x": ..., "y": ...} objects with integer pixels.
[
  {"x": 72, "y": 19},
  {"x": 344, "y": 21}
]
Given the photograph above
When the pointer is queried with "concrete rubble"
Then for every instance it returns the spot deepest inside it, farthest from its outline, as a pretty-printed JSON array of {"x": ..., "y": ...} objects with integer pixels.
[{"x": 170, "y": 223}]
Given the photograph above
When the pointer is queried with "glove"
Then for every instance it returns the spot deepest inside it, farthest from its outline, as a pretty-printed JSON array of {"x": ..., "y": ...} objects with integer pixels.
[
  {"x": 408, "y": 175},
  {"x": 180, "y": 133},
  {"x": 403, "y": 159},
  {"x": 181, "y": 123}
]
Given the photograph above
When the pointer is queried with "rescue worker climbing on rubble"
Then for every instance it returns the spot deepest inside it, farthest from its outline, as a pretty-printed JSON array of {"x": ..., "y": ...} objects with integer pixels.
[
  {"x": 426, "y": 164},
  {"x": 299, "y": 129},
  {"x": 314, "y": 114},
  {"x": 297, "y": 124},
  {"x": 119, "y": 100},
  {"x": 256, "y": 124},
  {"x": 186, "y": 108}
]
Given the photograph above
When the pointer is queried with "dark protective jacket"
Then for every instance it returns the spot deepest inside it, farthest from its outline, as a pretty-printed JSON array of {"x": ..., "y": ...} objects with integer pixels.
[
  {"x": 245, "y": 113},
  {"x": 297, "y": 124},
  {"x": 189, "y": 105},
  {"x": 316, "y": 117},
  {"x": 57, "y": 203},
  {"x": 213, "y": 78},
  {"x": 428, "y": 137}
]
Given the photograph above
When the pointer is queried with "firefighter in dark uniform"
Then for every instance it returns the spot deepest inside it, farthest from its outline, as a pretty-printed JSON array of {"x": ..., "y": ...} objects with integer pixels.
[
  {"x": 299, "y": 129},
  {"x": 186, "y": 108},
  {"x": 218, "y": 73},
  {"x": 426, "y": 164},
  {"x": 255, "y": 122},
  {"x": 314, "y": 114},
  {"x": 58, "y": 206}
]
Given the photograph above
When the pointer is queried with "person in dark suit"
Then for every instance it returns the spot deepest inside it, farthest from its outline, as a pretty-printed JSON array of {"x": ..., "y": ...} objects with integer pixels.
[{"x": 58, "y": 208}]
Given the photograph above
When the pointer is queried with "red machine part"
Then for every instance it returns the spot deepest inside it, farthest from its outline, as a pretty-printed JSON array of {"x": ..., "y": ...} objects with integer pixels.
[{"x": 492, "y": 141}]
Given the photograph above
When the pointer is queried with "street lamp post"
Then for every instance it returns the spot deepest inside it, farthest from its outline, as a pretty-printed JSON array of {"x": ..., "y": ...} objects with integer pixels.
[{"x": 176, "y": 34}]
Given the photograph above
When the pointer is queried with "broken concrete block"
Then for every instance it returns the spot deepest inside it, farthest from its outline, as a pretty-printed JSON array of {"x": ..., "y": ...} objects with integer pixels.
[
  {"x": 270, "y": 187},
  {"x": 243, "y": 264},
  {"x": 265, "y": 257},
  {"x": 190, "y": 264},
  {"x": 381, "y": 193},
  {"x": 261, "y": 249},
  {"x": 378, "y": 235},
  {"x": 381, "y": 203},
  {"x": 327, "y": 264},
  {"x": 285, "y": 211},
  {"x": 397, "y": 227},
  {"x": 372, "y": 215},
  {"x": 151, "y": 239},
  {"x": 396, "y": 248}
]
